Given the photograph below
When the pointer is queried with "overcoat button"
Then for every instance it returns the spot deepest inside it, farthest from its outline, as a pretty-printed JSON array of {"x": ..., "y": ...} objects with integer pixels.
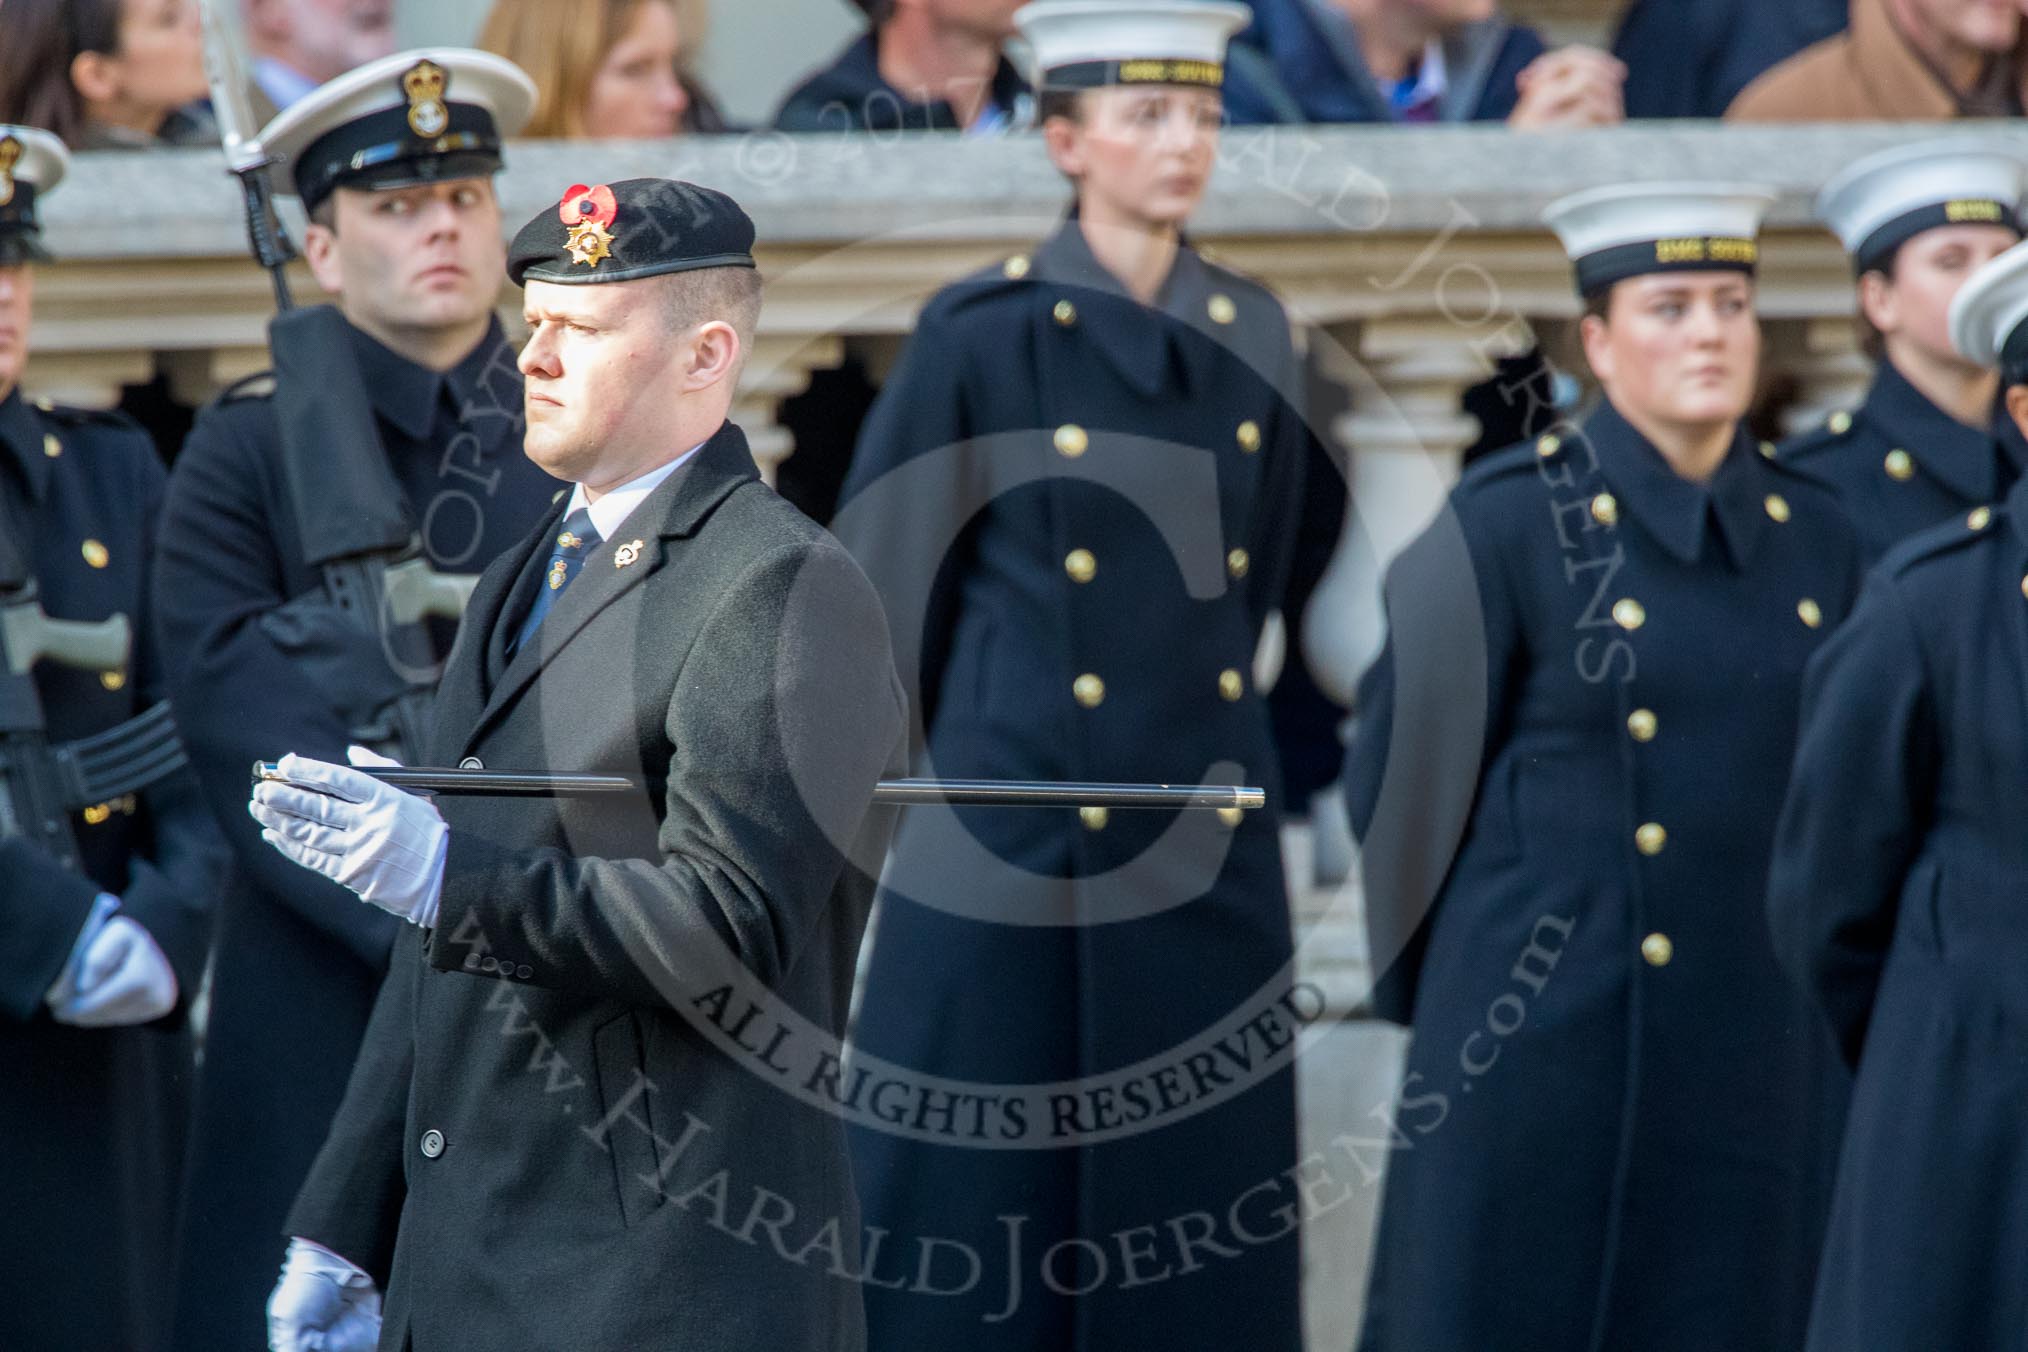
[
  {"x": 1658, "y": 949},
  {"x": 471, "y": 763},
  {"x": 432, "y": 1143}
]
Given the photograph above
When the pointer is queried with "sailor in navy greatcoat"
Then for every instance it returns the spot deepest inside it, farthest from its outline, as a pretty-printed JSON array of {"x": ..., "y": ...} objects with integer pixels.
[
  {"x": 1918, "y": 221},
  {"x": 1106, "y": 489},
  {"x": 1896, "y": 897},
  {"x": 98, "y": 962},
  {"x": 1616, "y": 1120},
  {"x": 255, "y": 670}
]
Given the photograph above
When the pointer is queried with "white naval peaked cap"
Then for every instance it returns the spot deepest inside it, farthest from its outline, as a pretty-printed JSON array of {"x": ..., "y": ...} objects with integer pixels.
[
  {"x": 1085, "y": 44},
  {"x": 415, "y": 117},
  {"x": 32, "y": 162},
  {"x": 1989, "y": 317},
  {"x": 1633, "y": 229},
  {"x": 1886, "y": 199}
]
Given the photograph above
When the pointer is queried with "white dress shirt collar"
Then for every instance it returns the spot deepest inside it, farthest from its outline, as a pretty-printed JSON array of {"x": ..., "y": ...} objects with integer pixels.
[{"x": 612, "y": 509}]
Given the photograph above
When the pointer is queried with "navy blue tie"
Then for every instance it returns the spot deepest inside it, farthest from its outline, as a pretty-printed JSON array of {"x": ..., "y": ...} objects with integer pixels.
[{"x": 574, "y": 540}]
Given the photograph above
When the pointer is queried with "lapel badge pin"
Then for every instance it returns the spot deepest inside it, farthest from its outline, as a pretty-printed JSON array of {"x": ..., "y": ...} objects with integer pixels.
[
  {"x": 424, "y": 86},
  {"x": 588, "y": 214},
  {"x": 10, "y": 155},
  {"x": 629, "y": 554}
]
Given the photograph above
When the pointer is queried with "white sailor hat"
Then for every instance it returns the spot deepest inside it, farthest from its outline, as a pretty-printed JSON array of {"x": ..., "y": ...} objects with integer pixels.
[
  {"x": 1086, "y": 44},
  {"x": 32, "y": 162},
  {"x": 1885, "y": 200},
  {"x": 414, "y": 117},
  {"x": 1989, "y": 316},
  {"x": 1631, "y": 230}
]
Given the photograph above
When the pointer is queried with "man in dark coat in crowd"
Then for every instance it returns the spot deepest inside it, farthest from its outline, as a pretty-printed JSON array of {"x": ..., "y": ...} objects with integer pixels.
[
  {"x": 421, "y": 425},
  {"x": 679, "y": 959},
  {"x": 1690, "y": 58},
  {"x": 105, "y": 914},
  {"x": 1895, "y": 896}
]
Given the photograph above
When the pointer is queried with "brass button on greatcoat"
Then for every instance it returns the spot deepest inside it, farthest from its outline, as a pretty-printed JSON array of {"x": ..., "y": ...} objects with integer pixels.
[
  {"x": 51, "y": 447},
  {"x": 1658, "y": 949},
  {"x": 1980, "y": 518},
  {"x": 1237, "y": 562},
  {"x": 1777, "y": 506},
  {"x": 1651, "y": 838},
  {"x": 1840, "y": 423},
  {"x": 1231, "y": 817},
  {"x": 1767, "y": 450},
  {"x": 1249, "y": 436},
  {"x": 1081, "y": 565},
  {"x": 1071, "y": 441},
  {"x": 1088, "y": 690},
  {"x": 1642, "y": 725},
  {"x": 1811, "y": 613},
  {"x": 1900, "y": 465},
  {"x": 113, "y": 680},
  {"x": 1548, "y": 445},
  {"x": 1065, "y": 312},
  {"x": 1016, "y": 267},
  {"x": 1629, "y": 614},
  {"x": 1230, "y": 684},
  {"x": 1094, "y": 818},
  {"x": 95, "y": 554},
  {"x": 1605, "y": 509},
  {"x": 1221, "y": 308}
]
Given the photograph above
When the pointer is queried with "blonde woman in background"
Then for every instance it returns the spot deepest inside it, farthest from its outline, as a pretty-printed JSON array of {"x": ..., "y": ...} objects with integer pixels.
[{"x": 607, "y": 68}]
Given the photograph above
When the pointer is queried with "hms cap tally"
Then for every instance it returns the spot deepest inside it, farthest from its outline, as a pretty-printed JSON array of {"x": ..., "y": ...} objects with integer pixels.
[
  {"x": 414, "y": 117},
  {"x": 1615, "y": 233},
  {"x": 32, "y": 163},
  {"x": 1880, "y": 203},
  {"x": 1088, "y": 44}
]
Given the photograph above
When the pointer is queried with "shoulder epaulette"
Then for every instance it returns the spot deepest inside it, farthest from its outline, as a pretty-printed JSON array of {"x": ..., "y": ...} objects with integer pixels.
[
  {"x": 82, "y": 417},
  {"x": 259, "y": 385},
  {"x": 1946, "y": 537}
]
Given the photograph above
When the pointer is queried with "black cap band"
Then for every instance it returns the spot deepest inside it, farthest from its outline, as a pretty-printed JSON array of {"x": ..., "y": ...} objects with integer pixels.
[
  {"x": 1162, "y": 71},
  {"x": 382, "y": 150},
  {"x": 1877, "y": 249},
  {"x": 1693, "y": 253}
]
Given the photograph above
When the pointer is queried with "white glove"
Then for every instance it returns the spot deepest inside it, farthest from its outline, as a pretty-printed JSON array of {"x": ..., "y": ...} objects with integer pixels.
[
  {"x": 117, "y": 974},
  {"x": 366, "y": 759},
  {"x": 322, "y": 1304},
  {"x": 384, "y": 844}
]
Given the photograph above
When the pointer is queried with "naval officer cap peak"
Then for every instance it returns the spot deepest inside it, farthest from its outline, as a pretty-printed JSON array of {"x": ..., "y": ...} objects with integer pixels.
[
  {"x": 1089, "y": 44},
  {"x": 32, "y": 163},
  {"x": 1989, "y": 317},
  {"x": 415, "y": 117},
  {"x": 1635, "y": 229},
  {"x": 637, "y": 227},
  {"x": 1880, "y": 203}
]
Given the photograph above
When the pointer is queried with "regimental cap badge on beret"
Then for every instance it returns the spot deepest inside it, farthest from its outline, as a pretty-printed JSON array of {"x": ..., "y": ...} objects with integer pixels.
[
  {"x": 423, "y": 84},
  {"x": 587, "y": 215},
  {"x": 666, "y": 226}
]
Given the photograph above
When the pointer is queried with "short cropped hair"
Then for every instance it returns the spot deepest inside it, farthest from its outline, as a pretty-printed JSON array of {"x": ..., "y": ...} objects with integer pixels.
[{"x": 730, "y": 295}]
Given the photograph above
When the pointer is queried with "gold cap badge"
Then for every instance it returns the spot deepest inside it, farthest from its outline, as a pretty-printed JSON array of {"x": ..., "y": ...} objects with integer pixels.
[{"x": 424, "y": 84}]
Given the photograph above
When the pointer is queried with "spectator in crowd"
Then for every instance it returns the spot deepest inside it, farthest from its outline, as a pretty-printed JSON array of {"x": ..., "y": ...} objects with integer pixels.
[
  {"x": 606, "y": 68},
  {"x": 299, "y": 44},
  {"x": 1900, "y": 60},
  {"x": 1426, "y": 61},
  {"x": 1691, "y": 60},
  {"x": 106, "y": 74},
  {"x": 921, "y": 65}
]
